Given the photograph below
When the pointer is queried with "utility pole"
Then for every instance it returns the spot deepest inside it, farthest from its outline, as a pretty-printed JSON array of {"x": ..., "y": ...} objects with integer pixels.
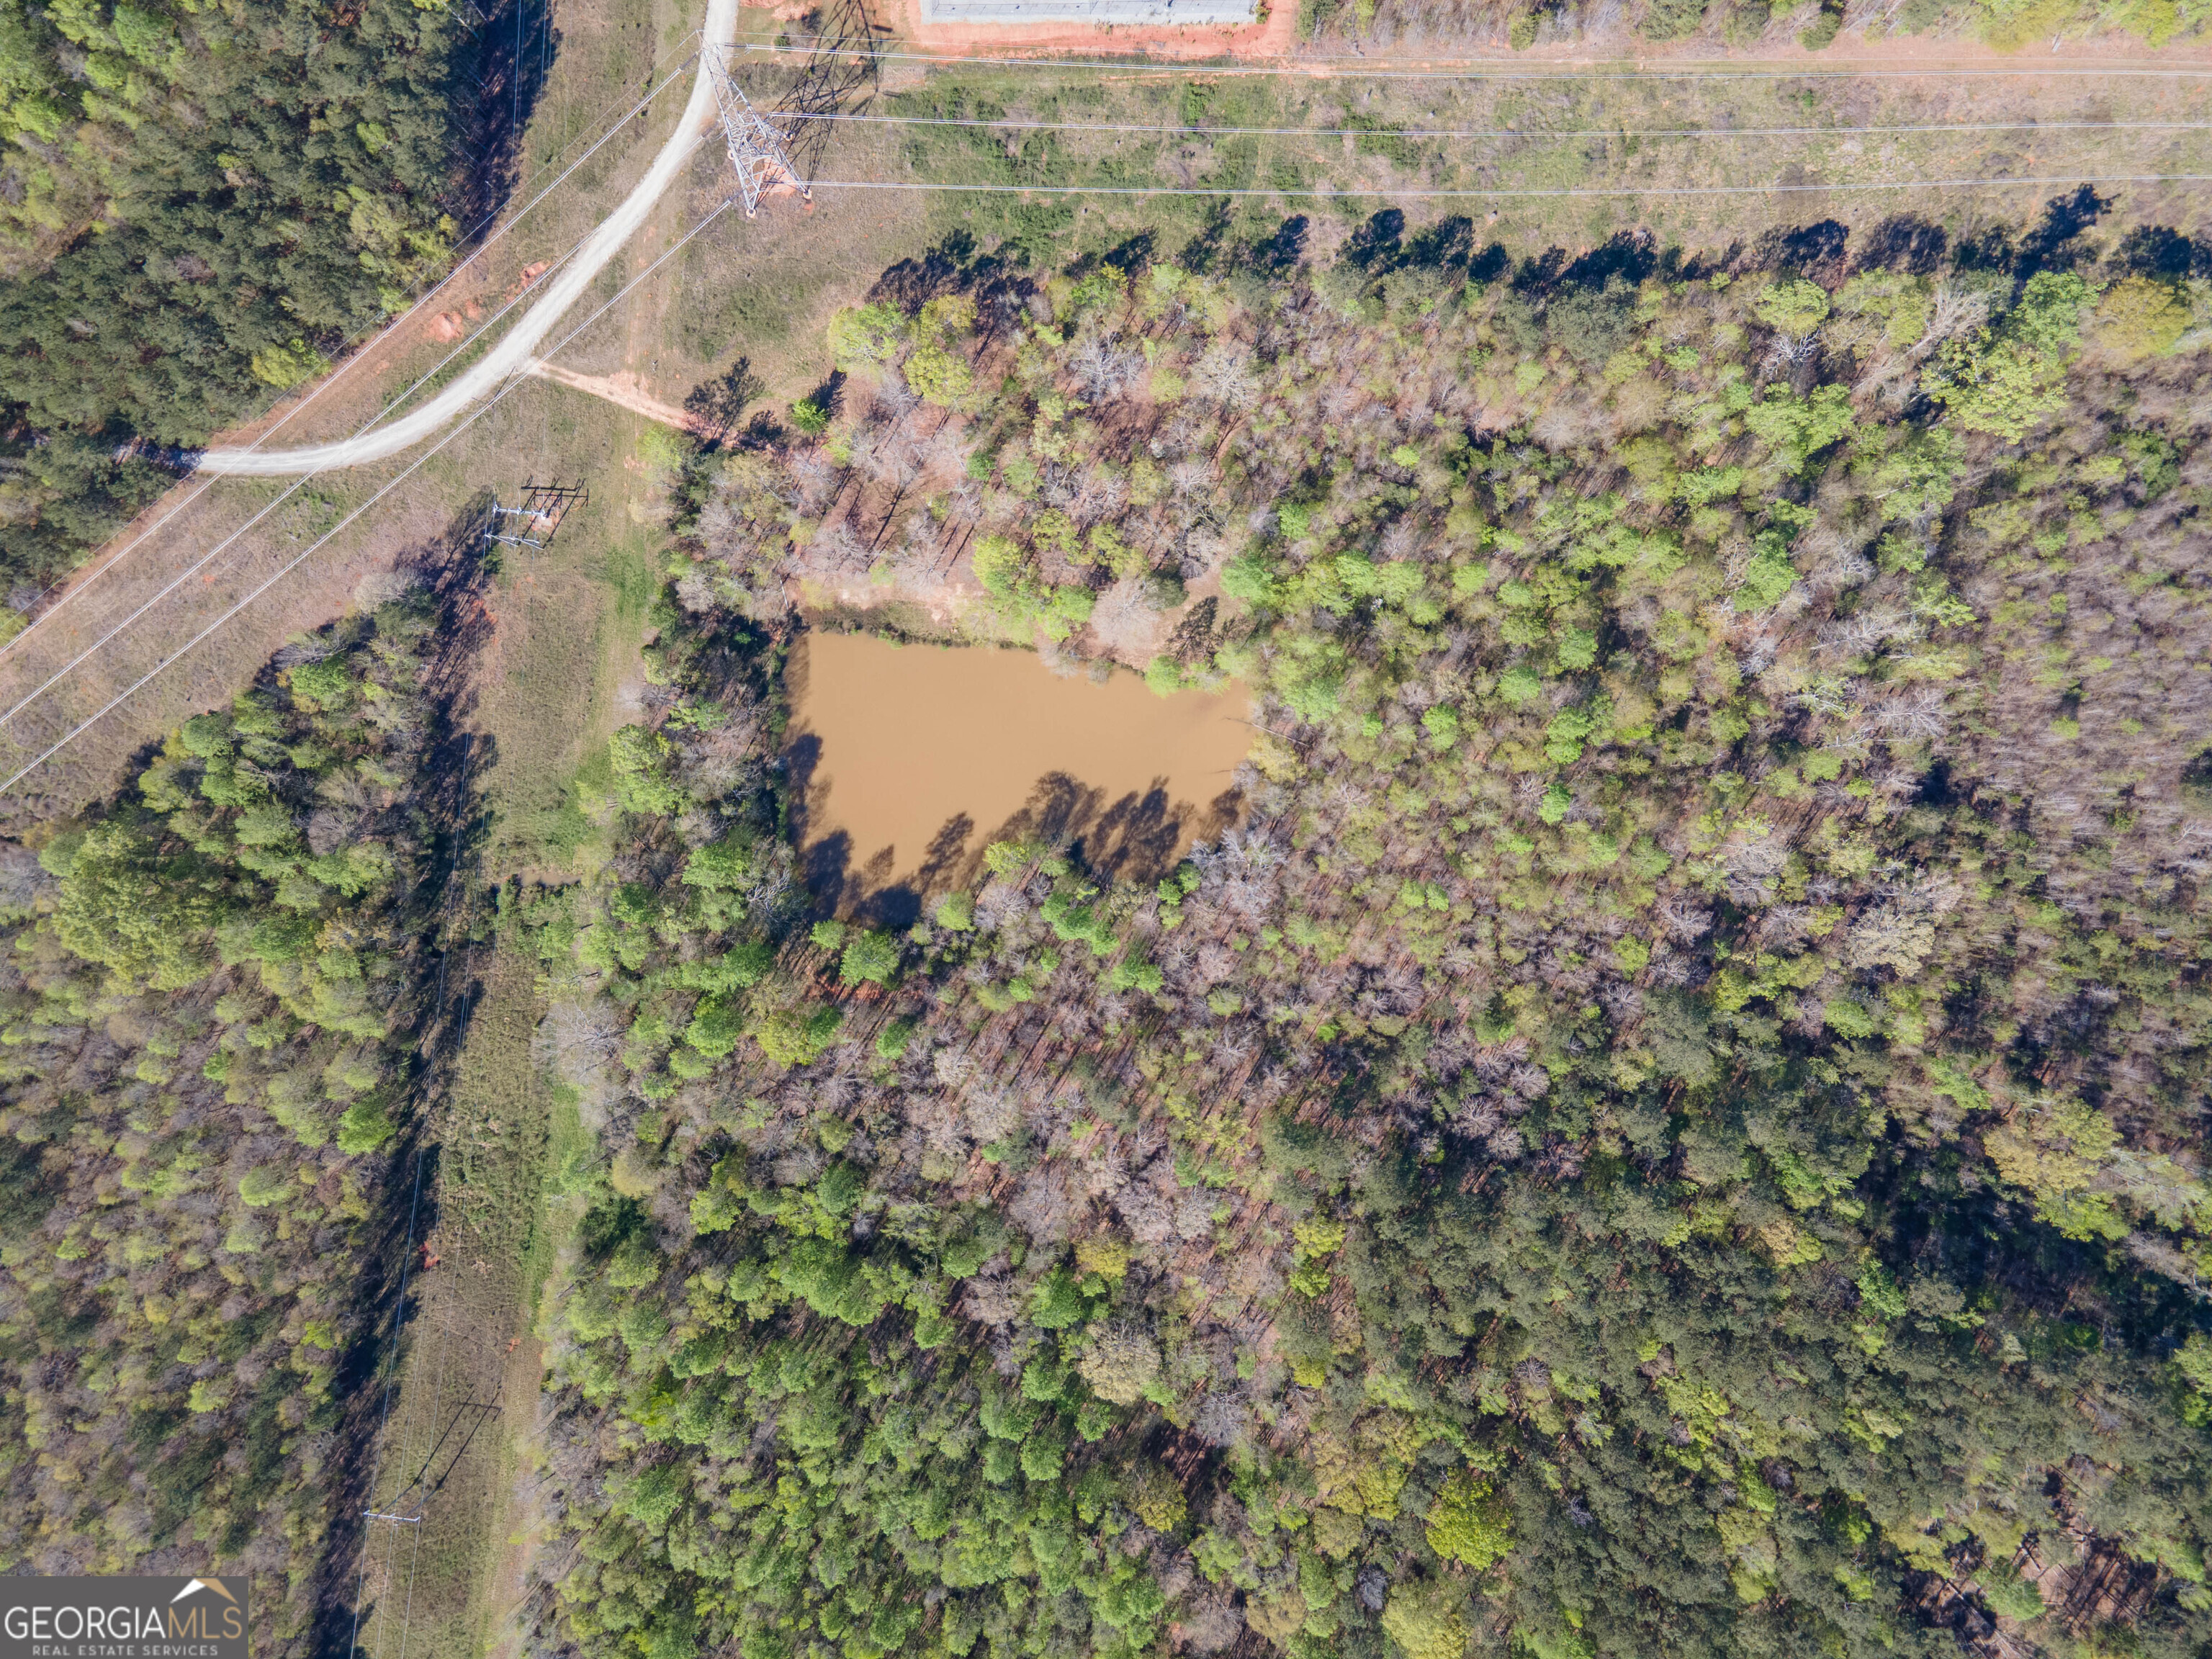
[
  {"x": 523, "y": 538},
  {"x": 549, "y": 503},
  {"x": 544, "y": 506},
  {"x": 764, "y": 166}
]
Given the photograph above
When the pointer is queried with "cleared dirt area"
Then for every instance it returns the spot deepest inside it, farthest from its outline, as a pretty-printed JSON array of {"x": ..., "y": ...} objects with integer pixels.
[
  {"x": 1274, "y": 36},
  {"x": 623, "y": 389},
  {"x": 1138, "y": 13}
]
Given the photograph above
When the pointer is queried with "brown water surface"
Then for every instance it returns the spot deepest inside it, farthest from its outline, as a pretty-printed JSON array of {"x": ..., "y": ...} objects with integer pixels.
[{"x": 910, "y": 760}]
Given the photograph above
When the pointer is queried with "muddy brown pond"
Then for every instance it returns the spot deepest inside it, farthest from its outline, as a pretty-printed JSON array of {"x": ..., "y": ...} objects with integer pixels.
[{"x": 910, "y": 760}]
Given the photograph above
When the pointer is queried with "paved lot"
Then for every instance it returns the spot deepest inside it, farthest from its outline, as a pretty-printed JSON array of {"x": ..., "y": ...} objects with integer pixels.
[{"x": 1144, "y": 13}]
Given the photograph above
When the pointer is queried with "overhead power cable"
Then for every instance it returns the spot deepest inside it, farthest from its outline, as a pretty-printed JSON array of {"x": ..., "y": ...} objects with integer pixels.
[
  {"x": 1356, "y": 68},
  {"x": 529, "y": 332},
  {"x": 445, "y": 1332},
  {"x": 411, "y": 468},
  {"x": 1179, "y": 131},
  {"x": 354, "y": 357},
  {"x": 406, "y": 1262},
  {"x": 269, "y": 506},
  {"x": 1391, "y": 192}
]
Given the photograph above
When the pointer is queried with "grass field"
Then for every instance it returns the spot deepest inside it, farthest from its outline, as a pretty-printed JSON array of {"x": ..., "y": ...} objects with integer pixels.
[
  {"x": 467, "y": 1396},
  {"x": 1599, "y": 136}
]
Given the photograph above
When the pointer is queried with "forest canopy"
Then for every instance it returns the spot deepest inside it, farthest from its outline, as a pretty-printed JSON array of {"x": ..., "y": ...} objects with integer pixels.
[
  {"x": 200, "y": 205},
  {"x": 213, "y": 991},
  {"x": 1674, "y": 1124}
]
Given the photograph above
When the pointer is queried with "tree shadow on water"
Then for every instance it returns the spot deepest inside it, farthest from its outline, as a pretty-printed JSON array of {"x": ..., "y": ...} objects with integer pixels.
[
  {"x": 870, "y": 891},
  {"x": 947, "y": 852},
  {"x": 825, "y": 866},
  {"x": 1135, "y": 836}
]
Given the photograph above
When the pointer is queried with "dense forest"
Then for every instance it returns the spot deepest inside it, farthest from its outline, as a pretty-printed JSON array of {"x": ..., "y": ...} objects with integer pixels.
[
  {"x": 1674, "y": 1124},
  {"x": 200, "y": 204},
  {"x": 215, "y": 994}
]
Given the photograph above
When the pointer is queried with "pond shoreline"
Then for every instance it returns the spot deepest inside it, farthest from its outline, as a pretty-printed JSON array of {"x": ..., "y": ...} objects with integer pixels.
[{"x": 909, "y": 759}]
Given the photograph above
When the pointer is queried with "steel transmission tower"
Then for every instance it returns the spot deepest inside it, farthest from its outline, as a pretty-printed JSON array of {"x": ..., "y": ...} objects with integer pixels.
[
  {"x": 544, "y": 506},
  {"x": 756, "y": 150}
]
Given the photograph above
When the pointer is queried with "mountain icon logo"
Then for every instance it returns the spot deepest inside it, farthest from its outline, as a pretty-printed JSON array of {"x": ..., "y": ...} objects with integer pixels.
[{"x": 192, "y": 1585}]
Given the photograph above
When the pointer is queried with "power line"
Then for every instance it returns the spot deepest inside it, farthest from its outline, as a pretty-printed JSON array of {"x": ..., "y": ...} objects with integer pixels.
[
  {"x": 1500, "y": 193},
  {"x": 508, "y": 355},
  {"x": 755, "y": 148},
  {"x": 384, "y": 1407},
  {"x": 384, "y": 413},
  {"x": 1155, "y": 131},
  {"x": 1391, "y": 192},
  {"x": 354, "y": 358},
  {"x": 406, "y": 1262},
  {"x": 446, "y": 1333},
  {"x": 1348, "y": 68},
  {"x": 193, "y": 568},
  {"x": 407, "y": 1618},
  {"x": 413, "y": 466}
]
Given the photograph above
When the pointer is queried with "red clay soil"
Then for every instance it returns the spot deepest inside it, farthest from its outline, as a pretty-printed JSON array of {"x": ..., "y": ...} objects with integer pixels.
[
  {"x": 1275, "y": 39},
  {"x": 623, "y": 388},
  {"x": 1276, "y": 36}
]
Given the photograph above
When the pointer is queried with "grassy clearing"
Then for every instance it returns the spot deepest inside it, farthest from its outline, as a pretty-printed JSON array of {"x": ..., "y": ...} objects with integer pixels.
[
  {"x": 450, "y": 1450},
  {"x": 566, "y": 623},
  {"x": 1593, "y": 136}
]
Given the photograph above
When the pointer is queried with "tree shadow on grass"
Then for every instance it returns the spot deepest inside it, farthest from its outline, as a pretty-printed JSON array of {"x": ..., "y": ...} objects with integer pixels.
[
  {"x": 447, "y": 814},
  {"x": 716, "y": 406}
]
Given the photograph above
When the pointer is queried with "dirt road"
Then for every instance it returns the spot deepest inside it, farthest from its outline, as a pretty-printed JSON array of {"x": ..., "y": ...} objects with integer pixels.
[
  {"x": 623, "y": 388},
  {"x": 511, "y": 355}
]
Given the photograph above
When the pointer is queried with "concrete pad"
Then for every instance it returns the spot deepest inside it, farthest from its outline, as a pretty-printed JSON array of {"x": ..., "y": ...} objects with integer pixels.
[{"x": 1143, "y": 14}]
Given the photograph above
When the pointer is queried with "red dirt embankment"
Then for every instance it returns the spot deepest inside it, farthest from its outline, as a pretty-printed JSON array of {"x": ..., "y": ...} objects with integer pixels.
[
  {"x": 1274, "y": 36},
  {"x": 1274, "y": 39}
]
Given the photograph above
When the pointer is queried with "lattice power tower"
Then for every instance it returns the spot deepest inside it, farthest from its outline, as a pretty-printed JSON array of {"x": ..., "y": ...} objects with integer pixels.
[
  {"x": 532, "y": 524},
  {"x": 764, "y": 166}
]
